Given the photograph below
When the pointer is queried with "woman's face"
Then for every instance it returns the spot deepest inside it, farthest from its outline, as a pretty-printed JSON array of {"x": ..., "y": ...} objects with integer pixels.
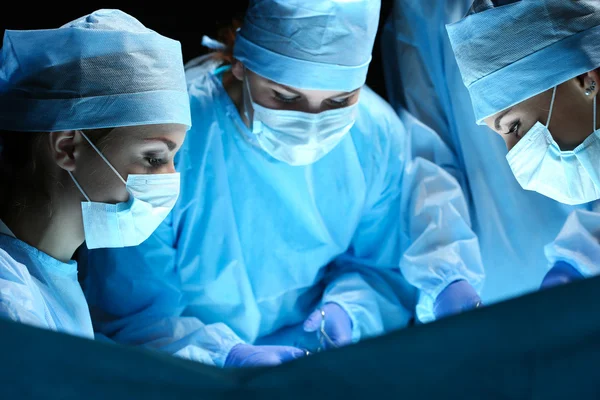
[
  {"x": 147, "y": 149},
  {"x": 572, "y": 115},
  {"x": 273, "y": 95}
]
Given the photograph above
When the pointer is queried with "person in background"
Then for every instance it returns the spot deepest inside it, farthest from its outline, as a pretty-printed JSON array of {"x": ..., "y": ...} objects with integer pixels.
[
  {"x": 309, "y": 209},
  {"x": 513, "y": 225},
  {"x": 540, "y": 94}
]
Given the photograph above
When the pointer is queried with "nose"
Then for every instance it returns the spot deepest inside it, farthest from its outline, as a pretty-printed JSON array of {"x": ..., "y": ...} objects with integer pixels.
[
  {"x": 316, "y": 105},
  {"x": 314, "y": 108},
  {"x": 170, "y": 168},
  {"x": 509, "y": 145},
  {"x": 510, "y": 140}
]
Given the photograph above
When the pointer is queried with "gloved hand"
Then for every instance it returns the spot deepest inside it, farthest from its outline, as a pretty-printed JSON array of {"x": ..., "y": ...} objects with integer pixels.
[
  {"x": 334, "y": 321},
  {"x": 560, "y": 274},
  {"x": 246, "y": 355},
  {"x": 456, "y": 298}
]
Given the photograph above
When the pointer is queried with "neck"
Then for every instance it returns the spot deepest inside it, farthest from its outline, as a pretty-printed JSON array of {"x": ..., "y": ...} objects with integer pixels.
[{"x": 55, "y": 230}]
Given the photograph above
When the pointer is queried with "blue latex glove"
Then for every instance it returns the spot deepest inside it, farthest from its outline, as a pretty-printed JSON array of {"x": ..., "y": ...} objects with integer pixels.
[
  {"x": 335, "y": 322},
  {"x": 246, "y": 355},
  {"x": 458, "y": 297},
  {"x": 560, "y": 274}
]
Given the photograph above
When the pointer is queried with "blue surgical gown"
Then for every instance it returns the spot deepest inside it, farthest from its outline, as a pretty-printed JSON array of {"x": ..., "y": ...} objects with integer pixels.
[
  {"x": 513, "y": 225},
  {"x": 254, "y": 245},
  {"x": 38, "y": 290},
  {"x": 578, "y": 242}
]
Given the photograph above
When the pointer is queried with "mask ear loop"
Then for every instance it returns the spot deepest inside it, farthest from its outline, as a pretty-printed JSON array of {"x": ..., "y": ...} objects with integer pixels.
[
  {"x": 595, "y": 114},
  {"x": 551, "y": 107},
  {"x": 79, "y": 187},
  {"x": 254, "y": 126},
  {"x": 103, "y": 157}
]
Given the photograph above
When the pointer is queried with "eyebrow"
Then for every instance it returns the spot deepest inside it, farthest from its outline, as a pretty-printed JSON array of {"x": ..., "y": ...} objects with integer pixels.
[
  {"x": 499, "y": 118},
  {"x": 170, "y": 144},
  {"x": 289, "y": 89}
]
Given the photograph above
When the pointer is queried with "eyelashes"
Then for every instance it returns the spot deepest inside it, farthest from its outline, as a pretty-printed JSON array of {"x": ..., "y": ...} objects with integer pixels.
[
  {"x": 155, "y": 160},
  {"x": 293, "y": 99},
  {"x": 514, "y": 128},
  {"x": 285, "y": 99}
]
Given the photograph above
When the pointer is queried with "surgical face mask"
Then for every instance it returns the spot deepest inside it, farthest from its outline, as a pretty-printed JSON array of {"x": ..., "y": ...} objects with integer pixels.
[
  {"x": 295, "y": 137},
  {"x": 151, "y": 198},
  {"x": 570, "y": 177}
]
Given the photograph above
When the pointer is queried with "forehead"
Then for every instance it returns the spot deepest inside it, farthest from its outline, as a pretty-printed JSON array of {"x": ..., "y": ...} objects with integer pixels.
[
  {"x": 532, "y": 107},
  {"x": 305, "y": 92},
  {"x": 145, "y": 131}
]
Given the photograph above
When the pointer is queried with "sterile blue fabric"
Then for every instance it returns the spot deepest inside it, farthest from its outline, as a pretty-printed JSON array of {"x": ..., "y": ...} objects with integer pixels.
[
  {"x": 104, "y": 70},
  {"x": 578, "y": 243},
  {"x": 38, "y": 290},
  {"x": 512, "y": 52},
  {"x": 254, "y": 245},
  {"x": 309, "y": 44},
  {"x": 512, "y": 225}
]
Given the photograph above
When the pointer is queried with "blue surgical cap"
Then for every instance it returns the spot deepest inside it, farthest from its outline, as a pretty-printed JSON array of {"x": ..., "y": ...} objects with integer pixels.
[
  {"x": 309, "y": 44},
  {"x": 511, "y": 50},
  {"x": 104, "y": 70}
]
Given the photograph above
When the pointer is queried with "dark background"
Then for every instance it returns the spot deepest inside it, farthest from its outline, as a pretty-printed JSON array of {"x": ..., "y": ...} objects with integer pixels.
[{"x": 175, "y": 21}]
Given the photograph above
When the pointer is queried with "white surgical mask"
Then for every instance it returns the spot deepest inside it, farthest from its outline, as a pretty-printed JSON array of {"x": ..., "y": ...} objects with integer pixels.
[
  {"x": 151, "y": 199},
  {"x": 570, "y": 177},
  {"x": 296, "y": 137}
]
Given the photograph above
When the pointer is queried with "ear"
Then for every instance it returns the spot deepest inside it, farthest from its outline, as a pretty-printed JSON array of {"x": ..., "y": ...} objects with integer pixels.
[
  {"x": 65, "y": 148},
  {"x": 238, "y": 70},
  {"x": 589, "y": 83}
]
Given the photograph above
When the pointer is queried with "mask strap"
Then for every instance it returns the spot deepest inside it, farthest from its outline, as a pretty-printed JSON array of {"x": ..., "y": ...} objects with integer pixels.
[
  {"x": 79, "y": 187},
  {"x": 551, "y": 107},
  {"x": 253, "y": 125},
  {"x": 247, "y": 84},
  {"x": 595, "y": 115},
  {"x": 247, "y": 87},
  {"x": 104, "y": 158}
]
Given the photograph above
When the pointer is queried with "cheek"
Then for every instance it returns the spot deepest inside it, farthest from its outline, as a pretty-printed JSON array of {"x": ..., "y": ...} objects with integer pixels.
[
  {"x": 100, "y": 182},
  {"x": 135, "y": 169},
  {"x": 168, "y": 168},
  {"x": 571, "y": 125},
  {"x": 102, "y": 186},
  {"x": 114, "y": 192}
]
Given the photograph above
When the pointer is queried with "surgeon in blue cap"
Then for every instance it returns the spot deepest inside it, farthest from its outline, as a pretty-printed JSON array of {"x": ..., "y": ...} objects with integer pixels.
[
  {"x": 91, "y": 115},
  {"x": 310, "y": 216},
  {"x": 532, "y": 70},
  {"x": 422, "y": 75}
]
